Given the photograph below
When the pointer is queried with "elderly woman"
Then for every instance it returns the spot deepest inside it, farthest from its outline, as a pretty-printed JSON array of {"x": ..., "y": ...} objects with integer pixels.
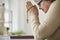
[{"x": 50, "y": 27}]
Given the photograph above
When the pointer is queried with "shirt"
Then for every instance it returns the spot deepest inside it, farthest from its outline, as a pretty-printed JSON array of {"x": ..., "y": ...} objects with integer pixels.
[
  {"x": 41, "y": 15},
  {"x": 50, "y": 23}
]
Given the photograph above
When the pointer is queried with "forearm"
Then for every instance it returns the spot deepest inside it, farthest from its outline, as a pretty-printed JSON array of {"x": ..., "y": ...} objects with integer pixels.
[
  {"x": 34, "y": 21},
  {"x": 50, "y": 23}
]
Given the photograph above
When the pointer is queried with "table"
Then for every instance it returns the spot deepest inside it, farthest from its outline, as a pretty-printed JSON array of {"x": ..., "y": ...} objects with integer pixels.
[{"x": 4, "y": 37}]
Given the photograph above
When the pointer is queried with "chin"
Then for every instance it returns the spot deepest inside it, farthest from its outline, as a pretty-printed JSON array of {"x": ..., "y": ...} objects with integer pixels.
[{"x": 45, "y": 11}]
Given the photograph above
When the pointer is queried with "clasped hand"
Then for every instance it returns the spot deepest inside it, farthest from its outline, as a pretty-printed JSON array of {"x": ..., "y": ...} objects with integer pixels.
[{"x": 32, "y": 7}]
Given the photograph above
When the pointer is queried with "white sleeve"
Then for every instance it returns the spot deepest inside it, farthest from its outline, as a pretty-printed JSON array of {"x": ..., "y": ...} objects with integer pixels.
[{"x": 50, "y": 24}]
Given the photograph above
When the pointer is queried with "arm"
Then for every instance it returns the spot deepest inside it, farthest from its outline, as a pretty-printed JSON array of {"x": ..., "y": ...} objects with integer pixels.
[{"x": 50, "y": 23}]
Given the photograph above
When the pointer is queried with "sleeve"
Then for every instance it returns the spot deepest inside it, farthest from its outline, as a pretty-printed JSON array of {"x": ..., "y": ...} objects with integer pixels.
[{"x": 50, "y": 23}]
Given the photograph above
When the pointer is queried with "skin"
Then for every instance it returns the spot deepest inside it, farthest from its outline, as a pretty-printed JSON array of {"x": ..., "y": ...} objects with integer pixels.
[
  {"x": 45, "y": 5},
  {"x": 29, "y": 5}
]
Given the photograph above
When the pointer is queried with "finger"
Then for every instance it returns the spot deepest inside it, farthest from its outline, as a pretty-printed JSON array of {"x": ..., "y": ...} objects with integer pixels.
[
  {"x": 29, "y": 3},
  {"x": 35, "y": 7},
  {"x": 36, "y": 10}
]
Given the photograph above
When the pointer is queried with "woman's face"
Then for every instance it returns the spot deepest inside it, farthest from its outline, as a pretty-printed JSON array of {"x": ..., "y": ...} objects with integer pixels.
[{"x": 45, "y": 5}]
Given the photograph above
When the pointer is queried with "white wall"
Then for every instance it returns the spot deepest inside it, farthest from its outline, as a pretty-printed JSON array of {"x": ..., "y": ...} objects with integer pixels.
[
  {"x": 21, "y": 11},
  {"x": 22, "y": 18},
  {"x": 1, "y": 1},
  {"x": 18, "y": 8},
  {"x": 14, "y": 8}
]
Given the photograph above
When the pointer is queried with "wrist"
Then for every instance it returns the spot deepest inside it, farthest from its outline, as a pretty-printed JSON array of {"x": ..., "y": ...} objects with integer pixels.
[{"x": 29, "y": 8}]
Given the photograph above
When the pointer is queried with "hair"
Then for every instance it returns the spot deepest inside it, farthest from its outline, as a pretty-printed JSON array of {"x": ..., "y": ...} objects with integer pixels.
[{"x": 46, "y": 0}]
